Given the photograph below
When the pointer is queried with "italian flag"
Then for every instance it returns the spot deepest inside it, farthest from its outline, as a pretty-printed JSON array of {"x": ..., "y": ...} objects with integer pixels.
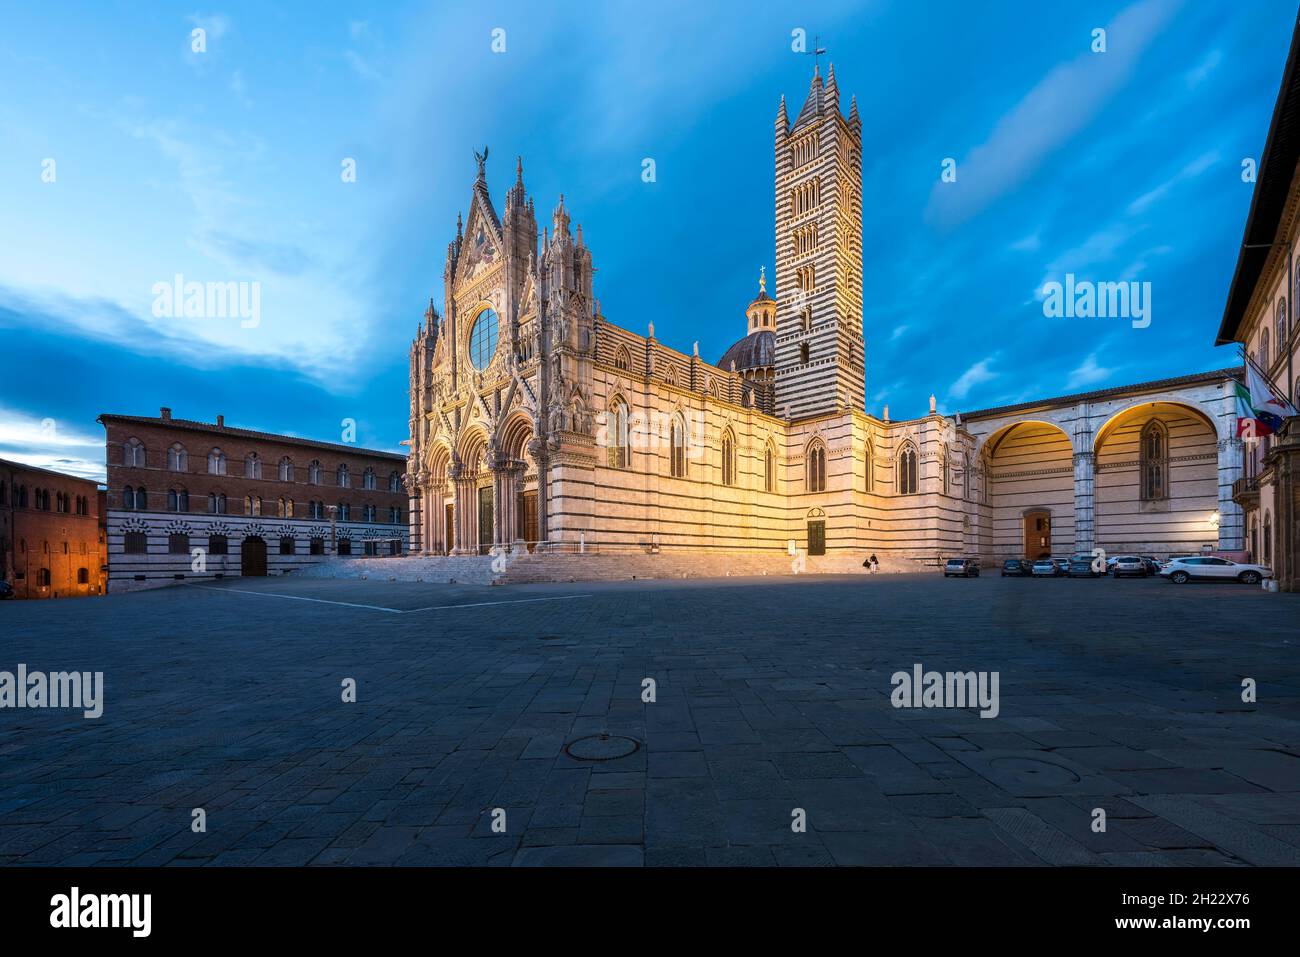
[{"x": 1260, "y": 411}]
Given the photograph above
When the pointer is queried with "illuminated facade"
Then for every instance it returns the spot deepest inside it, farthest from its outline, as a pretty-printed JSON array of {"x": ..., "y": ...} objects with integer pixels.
[{"x": 533, "y": 418}]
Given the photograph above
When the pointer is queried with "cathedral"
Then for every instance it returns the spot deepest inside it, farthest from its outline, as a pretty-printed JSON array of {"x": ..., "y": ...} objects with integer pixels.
[{"x": 538, "y": 423}]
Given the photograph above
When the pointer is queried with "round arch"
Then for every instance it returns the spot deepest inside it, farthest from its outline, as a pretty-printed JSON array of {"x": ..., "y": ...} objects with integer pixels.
[{"x": 1152, "y": 409}]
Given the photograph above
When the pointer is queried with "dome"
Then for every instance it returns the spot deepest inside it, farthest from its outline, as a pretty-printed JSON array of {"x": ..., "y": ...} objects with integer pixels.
[{"x": 756, "y": 351}]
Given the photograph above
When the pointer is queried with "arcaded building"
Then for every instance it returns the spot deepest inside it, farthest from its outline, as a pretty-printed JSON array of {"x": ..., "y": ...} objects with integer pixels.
[
  {"x": 192, "y": 500},
  {"x": 535, "y": 418},
  {"x": 1260, "y": 317},
  {"x": 52, "y": 543}
]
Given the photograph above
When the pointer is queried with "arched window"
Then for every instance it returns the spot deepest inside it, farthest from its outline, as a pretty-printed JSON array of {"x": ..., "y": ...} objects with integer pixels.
[
  {"x": 177, "y": 458},
  {"x": 1281, "y": 326},
  {"x": 216, "y": 462},
  {"x": 803, "y": 353},
  {"x": 128, "y": 497},
  {"x": 178, "y": 500},
  {"x": 946, "y": 471},
  {"x": 394, "y": 514},
  {"x": 677, "y": 448},
  {"x": 368, "y": 479},
  {"x": 22, "y": 496},
  {"x": 728, "y": 458},
  {"x": 279, "y": 508},
  {"x": 868, "y": 464},
  {"x": 345, "y": 512},
  {"x": 907, "y": 470},
  {"x": 133, "y": 453},
  {"x": 288, "y": 508},
  {"x": 1263, "y": 349},
  {"x": 252, "y": 466},
  {"x": 816, "y": 477},
  {"x": 965, "y": 476},
  {"x": 1153, "y": 465},
  {"x": 248, "y": 505},
  {"x": 342, "y": 477},
  {"x": 620, "y": 446},
  {"x": 769, "y": 468},
  {"x": 216, "y": 503},
  {"x": 622, "y": 360},
  {"x": 286, "y": 469},
  {"x": 141, "y": 499},
  {"x": 394, "y": 482},
  {"x": 315, "y": 472}
]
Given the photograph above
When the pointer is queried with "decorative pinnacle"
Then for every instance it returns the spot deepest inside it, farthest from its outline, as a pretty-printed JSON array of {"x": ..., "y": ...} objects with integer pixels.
[{"x": 762, "y": 280}]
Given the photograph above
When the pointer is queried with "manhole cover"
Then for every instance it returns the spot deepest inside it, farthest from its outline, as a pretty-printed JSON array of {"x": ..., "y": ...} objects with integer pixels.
[{"x": 601, "y": 747}]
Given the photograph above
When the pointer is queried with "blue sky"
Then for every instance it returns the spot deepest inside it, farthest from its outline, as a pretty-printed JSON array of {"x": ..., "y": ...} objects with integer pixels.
[{"x": 224, "y": 166}]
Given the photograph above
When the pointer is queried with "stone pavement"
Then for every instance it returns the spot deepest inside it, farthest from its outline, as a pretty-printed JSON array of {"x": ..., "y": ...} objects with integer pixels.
[{"x": 772, "y": 695}]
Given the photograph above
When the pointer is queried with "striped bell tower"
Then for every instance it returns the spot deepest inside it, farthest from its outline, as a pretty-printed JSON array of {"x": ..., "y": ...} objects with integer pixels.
[{"x": 820, "y": 362}]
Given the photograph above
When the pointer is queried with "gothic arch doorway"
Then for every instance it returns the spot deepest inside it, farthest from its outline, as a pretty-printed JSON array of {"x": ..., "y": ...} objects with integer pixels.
[{"x": 816, "y": 532}]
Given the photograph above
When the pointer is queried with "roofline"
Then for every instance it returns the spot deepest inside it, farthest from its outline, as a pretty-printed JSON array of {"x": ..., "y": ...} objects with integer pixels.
[
  {"x": 191, "y": 425},
  {"x": 1277, "y": 171},
  {"x": 1235, "y": 372},
  {"x": 54, "y": 472}
]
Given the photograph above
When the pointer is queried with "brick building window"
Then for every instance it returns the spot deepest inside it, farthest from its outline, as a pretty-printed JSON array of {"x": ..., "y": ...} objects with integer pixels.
[
  {"x": 345, "y": 546},
  {"x": 43, "y": 577},
  {"x": 394, "y": 482},
  {"x": 342, "y": 478},
  {"x": 345, "y": 512},
  {"x": 252, "y": 466},
  {"x": 286, "y": 545},
  {"x": 317, "y": 546},
  {"x": 216, "y": 462},
  {"x": 217, "y": 503},
  {"x": 178, "y": 500},
  {"x": 135, "y": 543},
  {"x": 367, "y": 513},
  {"x": 395, "y": 515},
  {"x": 314, "y": 472},
  {"x": 133, "y": 453},
  {"x": 218, "y": 545},
  {"x": 286, "y": 469},
  {"x": 368, "y": 479},
  {"x": 178, "y": 543},
  {"x": 178, "y": 460}
]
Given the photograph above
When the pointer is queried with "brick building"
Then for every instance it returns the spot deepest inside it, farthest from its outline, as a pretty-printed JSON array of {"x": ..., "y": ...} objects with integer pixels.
[
  {"x": 52, "y": 542},
  {"x": 197, "y": 500}
]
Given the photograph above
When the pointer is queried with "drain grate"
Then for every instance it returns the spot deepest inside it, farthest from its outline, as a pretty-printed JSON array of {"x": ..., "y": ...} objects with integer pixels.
[{"x": 601, "y": 747}]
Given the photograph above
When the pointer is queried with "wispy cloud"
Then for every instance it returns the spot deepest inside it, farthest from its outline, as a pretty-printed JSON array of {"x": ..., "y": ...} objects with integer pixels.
[
  {"x": 1058, "y": 107},
  {"x": 977, "y": 374}
]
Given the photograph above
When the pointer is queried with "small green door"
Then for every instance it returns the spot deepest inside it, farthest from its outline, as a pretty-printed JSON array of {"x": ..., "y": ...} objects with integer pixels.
[
  {"x": 817, "y": 537},
  {"x": 485, "y": 520}
]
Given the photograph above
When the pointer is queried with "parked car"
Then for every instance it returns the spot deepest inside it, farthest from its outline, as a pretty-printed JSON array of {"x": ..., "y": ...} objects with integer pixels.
[
  {"x": 1180, "y": 570},
  {"x": 1152, "y": 564},
  {"x": 1045, "y": 568},
  {"x": 1081, "y": 567},
  {"x": 1016, "y": 568},
  {"x": 6, "y": 590},
  {"x": 1063, "y": 564},
  {"x": 1129, "y": 566},
  {"x": 962, "y": 568}
]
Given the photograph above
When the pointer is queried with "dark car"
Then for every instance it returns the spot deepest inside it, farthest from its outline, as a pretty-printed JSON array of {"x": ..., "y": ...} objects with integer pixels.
[
  {"x": 962, "y": 568},
  {"x": 1081, "y": 567},
  {"x": 6, "y": 590},
  {"x": 1017, "y": 568}
]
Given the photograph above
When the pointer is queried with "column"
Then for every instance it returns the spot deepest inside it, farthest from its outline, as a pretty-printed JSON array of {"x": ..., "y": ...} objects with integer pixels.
[
  {"x": 465, "y": 511},
  {"x": 504, "y": 473},
  {"x": 1232, "y": 523},
  {"x": 537, "y": 449},
  {"x": 1084, "y": 472}
]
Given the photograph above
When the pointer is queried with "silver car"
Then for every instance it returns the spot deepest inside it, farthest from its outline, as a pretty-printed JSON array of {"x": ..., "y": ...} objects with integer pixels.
[{"x": 1129, "y": 565}]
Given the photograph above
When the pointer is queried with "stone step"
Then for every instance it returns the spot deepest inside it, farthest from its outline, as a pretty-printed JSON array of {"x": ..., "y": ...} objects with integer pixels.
[{"x": 624, "y": 566}]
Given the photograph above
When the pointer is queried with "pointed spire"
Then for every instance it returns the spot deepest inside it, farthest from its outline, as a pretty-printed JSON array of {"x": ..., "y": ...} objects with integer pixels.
[
  {"x": 832, "y": 89},
  {"x": 782, "y": 120},
  {"x": 459, "y": 226},
  {"x": 519, "y": 171},
  {"x": 853, "y": 109}
]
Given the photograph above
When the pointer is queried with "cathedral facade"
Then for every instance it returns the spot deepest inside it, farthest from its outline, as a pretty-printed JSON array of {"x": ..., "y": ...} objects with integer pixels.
[{"x": 536, "y": 421}]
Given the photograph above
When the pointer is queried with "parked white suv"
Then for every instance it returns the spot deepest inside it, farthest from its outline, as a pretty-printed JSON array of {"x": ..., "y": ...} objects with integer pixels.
[{"x": 1180, "y": 570}]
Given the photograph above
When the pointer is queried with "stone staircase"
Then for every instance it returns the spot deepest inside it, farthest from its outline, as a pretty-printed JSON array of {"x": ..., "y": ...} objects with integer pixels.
[
  {"x": 624, "y": 566},
  {"x": 465, "y": 570}
]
